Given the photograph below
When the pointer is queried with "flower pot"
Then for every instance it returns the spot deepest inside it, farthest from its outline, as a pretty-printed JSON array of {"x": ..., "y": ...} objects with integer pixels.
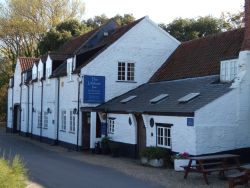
[
  {"x": 144, "y": 160},
  {"x": 181, "y": 162},
  {"x": 156, "y": 162}
]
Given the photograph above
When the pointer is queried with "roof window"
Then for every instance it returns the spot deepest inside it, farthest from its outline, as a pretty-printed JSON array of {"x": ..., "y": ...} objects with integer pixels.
[
  {"x": 188, "y": 97},
  {"x": 128, "y": 99},
  {"x": 158, "y": 98}
]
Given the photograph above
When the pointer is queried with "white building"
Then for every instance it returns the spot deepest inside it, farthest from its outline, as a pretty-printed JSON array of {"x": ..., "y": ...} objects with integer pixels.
[
  {"x": 197, "y": 102},
  {"x": 18, "y": 95}
]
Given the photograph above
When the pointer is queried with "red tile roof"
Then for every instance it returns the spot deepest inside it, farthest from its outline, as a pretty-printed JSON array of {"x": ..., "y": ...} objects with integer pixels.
[
  {"x": 27, "y": 62},
  {"x": 200, "y": 57}
]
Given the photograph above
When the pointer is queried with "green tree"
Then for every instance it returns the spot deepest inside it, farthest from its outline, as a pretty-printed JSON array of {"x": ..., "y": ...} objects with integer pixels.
[
  {"x": 125, "y": 19},
  {"x": 97, "y": 21},
  {"x": 185, "y": 29},
  {"x": 57, "y": 36}
]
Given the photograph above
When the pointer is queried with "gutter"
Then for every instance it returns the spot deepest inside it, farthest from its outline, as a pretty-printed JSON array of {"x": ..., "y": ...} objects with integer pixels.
[
  {"x": 32, "y": 110},
  {"x": 28, "y": 125},
  {"x": 41, "y": 126},
  {"x": 58, "y": 99}
]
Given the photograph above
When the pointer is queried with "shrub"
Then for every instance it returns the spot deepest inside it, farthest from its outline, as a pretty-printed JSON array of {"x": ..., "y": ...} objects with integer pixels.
[
  {"x": 157, "y": 153},
  {"x": 12, "y": 173}
]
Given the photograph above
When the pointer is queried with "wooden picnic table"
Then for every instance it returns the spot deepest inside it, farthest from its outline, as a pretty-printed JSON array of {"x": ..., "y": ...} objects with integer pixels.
[{"x": 211, "y": 163}]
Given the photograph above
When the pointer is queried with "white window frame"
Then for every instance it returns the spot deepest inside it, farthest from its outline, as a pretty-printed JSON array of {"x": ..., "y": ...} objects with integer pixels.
[
  {"x": 228, "y": 70},
  {"x": 69, "y": 71},
  {"x": 162, "y": 139},
  {"x": 48, "y": 73},
  {"x": 111, "y": 125},
  {"x": 63, "y": 120},
  {"x": 126, "y": 71},
  {"x": 39, "y": 119},
  {"x": 45, "y": 120},
  {"x": 72, "y": 122}
]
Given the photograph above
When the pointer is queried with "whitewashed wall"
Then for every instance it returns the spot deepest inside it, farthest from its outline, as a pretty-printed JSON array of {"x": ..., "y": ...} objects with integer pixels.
[
  {"x": 37, "y": 107},
  {"x": 17, "y": 82},
  {"x": 145, "y": 44},
  {"x": 24, "y": 106},
  {"x": 217, "y": 126},
  {"x": 183, "y": 138},
  {"x": 10, "y": 109},
  {"x": 68, "y": 101},
  {"x": 123, "y": 132},
  {"x": 50, "y": 102}
]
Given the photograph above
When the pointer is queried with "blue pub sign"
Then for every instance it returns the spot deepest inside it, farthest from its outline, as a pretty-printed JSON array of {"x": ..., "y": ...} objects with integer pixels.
[{"x": 94, "y": 89}]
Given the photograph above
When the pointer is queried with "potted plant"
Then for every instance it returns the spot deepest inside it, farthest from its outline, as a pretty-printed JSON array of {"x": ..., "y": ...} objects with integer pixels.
[
  {"x": 153, "y": 156},
  {"x": 105, "y": 145},
  {"x": 180, "y": 159}
]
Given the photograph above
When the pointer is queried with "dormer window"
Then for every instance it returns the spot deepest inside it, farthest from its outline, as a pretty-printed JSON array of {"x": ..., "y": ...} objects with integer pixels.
[
  {"x": 126, "y": 71},
  {"x": 23, "y": 77},
  {"x": 69, "y": 70},
  {"x": 228, "y": 70},
  {"x": 48, "y": 73}
]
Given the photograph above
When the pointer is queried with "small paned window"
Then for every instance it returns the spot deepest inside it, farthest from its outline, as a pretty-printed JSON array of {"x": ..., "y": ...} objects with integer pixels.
[
  {"x": 72, "y": 118},
  {"x": 39, "y": 118},
  {"x": 46, "y": 120},
  {"x": 111, "y": 126},
  {"x": 63, "y": 120},
  {"x": 131, "y": 72},
  {"x": 164, "y": 137},
  {"x": 126, "y": 71}
]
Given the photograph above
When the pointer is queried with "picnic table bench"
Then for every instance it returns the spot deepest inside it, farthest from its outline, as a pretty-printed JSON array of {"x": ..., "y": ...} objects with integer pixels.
[{"x": 212, "y": 163}]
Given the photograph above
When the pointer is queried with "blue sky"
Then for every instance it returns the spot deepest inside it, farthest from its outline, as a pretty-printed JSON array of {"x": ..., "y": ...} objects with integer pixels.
[{"x": 162, "y": 11}]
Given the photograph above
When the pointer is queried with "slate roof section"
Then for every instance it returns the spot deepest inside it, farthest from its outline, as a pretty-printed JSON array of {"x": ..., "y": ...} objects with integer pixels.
[
  {"x": 73, "y": 45},
  {"x": 108, "y": 41},
  {"x": 200, "y": 57},
  {"x": 27, "y": 62},
  {"x": 209, "y": 88}
]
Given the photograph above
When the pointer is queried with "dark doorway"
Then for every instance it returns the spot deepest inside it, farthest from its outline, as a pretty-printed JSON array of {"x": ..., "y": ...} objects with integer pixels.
[
  {"x": 86, "y": 130},
  {"x": 141, "y": 134},
  {"x": 16, "y": 119},
  {"x": 98, "y": 127}
]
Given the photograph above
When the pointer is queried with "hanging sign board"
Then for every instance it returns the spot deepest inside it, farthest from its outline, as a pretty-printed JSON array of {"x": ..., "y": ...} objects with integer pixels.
[{"x": 94, "y": 89}]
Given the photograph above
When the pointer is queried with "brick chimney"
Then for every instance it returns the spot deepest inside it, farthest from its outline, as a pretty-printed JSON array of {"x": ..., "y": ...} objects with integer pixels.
[{"x": 246, "y": 42}]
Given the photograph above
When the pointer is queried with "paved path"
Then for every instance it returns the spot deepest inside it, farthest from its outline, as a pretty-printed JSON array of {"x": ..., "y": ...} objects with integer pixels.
[{"x": 52, "y": 170}]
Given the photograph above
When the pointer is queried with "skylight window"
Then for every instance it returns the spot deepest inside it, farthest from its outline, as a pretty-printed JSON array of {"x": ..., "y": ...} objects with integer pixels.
[
  {"x": 188, "y": 97},
  {"x": 158, "y": 98},
  {"x": 128, "y": 99}
]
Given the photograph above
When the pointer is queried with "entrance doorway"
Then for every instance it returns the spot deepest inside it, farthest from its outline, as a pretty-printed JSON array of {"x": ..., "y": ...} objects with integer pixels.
[
  {"x": 141, "y": 134},
  {"x": 85, "y": 130},
  {"x": 16, "y": 119}
]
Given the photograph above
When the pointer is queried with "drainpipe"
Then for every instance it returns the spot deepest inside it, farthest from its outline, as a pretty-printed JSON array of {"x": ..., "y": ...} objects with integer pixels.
[
  {"x": 28, "y": 125},
  {"x": 41, "y": 126},
  {"x": 78, "y": 113},
  {"x": 32, "y": 110},
  {"x": 58, "y": 100}
]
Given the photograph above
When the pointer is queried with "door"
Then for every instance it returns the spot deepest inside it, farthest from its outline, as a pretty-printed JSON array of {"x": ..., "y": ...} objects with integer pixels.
[
  {"x": 16, "y": 120},
  {"x": 98, "y": 127},
  {"x": 85, "y": 130},
  {"x": 141, "y": 134}
]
